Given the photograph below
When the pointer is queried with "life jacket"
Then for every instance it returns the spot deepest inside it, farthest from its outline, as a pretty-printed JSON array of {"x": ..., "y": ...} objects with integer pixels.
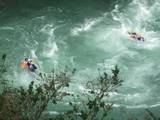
[{"x": 23, "y": 64}]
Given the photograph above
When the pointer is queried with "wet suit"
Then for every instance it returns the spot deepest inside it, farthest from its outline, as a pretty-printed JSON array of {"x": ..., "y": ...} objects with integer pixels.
[{"x": 31, "y": 67}]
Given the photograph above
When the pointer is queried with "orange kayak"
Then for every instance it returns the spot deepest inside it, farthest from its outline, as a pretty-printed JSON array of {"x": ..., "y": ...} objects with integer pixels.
[{"x": 24, "y": 64}]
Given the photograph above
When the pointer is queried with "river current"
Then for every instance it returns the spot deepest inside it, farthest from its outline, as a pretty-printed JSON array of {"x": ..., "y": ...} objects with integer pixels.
[{"x": 88, "y": 35}]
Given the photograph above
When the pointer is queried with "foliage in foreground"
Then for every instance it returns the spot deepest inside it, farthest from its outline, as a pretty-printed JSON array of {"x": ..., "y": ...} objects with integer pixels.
[
  {"x": 94, "y": 107},
  {"x": 30, "y": 103}
]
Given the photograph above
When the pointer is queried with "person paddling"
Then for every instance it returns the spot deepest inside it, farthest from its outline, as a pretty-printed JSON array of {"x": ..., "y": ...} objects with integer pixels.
[
  {"x": 31, "y": 66},
  {"x": 27, "y": 63},
  {"x": 136, "y": 36}
]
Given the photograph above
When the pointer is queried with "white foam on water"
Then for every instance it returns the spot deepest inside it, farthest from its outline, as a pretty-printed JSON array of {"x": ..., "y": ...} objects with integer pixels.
[
  {"x": 116, "y": 13},
  {"x": 143, "y": 13},
  {"x": 86, "y": 25},
  {"x": 116, "y": 37},
  {"x": 7, "y": 28},
  {"x": 41, "y": 17},
  {"x": 33, "y": 54},
  {"x": 52, "y": 112},
  {"x": 50, "y": 47},
  {"x": 142, "y": 106},
  {"x": 115, "y": 42},
  {"x": 50, "y": 50}
]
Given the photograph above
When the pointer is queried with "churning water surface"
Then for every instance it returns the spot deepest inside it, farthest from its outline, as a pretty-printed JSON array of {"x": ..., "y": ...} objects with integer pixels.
[{"x": 87, "y": 35}]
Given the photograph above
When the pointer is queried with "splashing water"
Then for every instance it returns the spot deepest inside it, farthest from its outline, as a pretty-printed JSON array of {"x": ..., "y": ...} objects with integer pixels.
[{"x": 88, "y": 38}]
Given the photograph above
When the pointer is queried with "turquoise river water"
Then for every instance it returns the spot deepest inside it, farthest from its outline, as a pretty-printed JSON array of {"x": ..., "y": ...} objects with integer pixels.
[{"x": 86, "y": 35}]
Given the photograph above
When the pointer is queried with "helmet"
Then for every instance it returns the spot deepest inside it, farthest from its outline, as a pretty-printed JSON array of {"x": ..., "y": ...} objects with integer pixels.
[{"x": 26, "y": 59}]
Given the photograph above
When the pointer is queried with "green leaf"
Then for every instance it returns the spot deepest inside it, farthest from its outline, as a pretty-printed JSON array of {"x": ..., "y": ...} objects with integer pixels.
[{"x": 102, "y": 104}]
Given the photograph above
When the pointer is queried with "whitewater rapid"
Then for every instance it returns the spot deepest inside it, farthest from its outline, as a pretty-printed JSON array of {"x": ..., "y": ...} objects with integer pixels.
[{"x": 55, "y": 38}]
